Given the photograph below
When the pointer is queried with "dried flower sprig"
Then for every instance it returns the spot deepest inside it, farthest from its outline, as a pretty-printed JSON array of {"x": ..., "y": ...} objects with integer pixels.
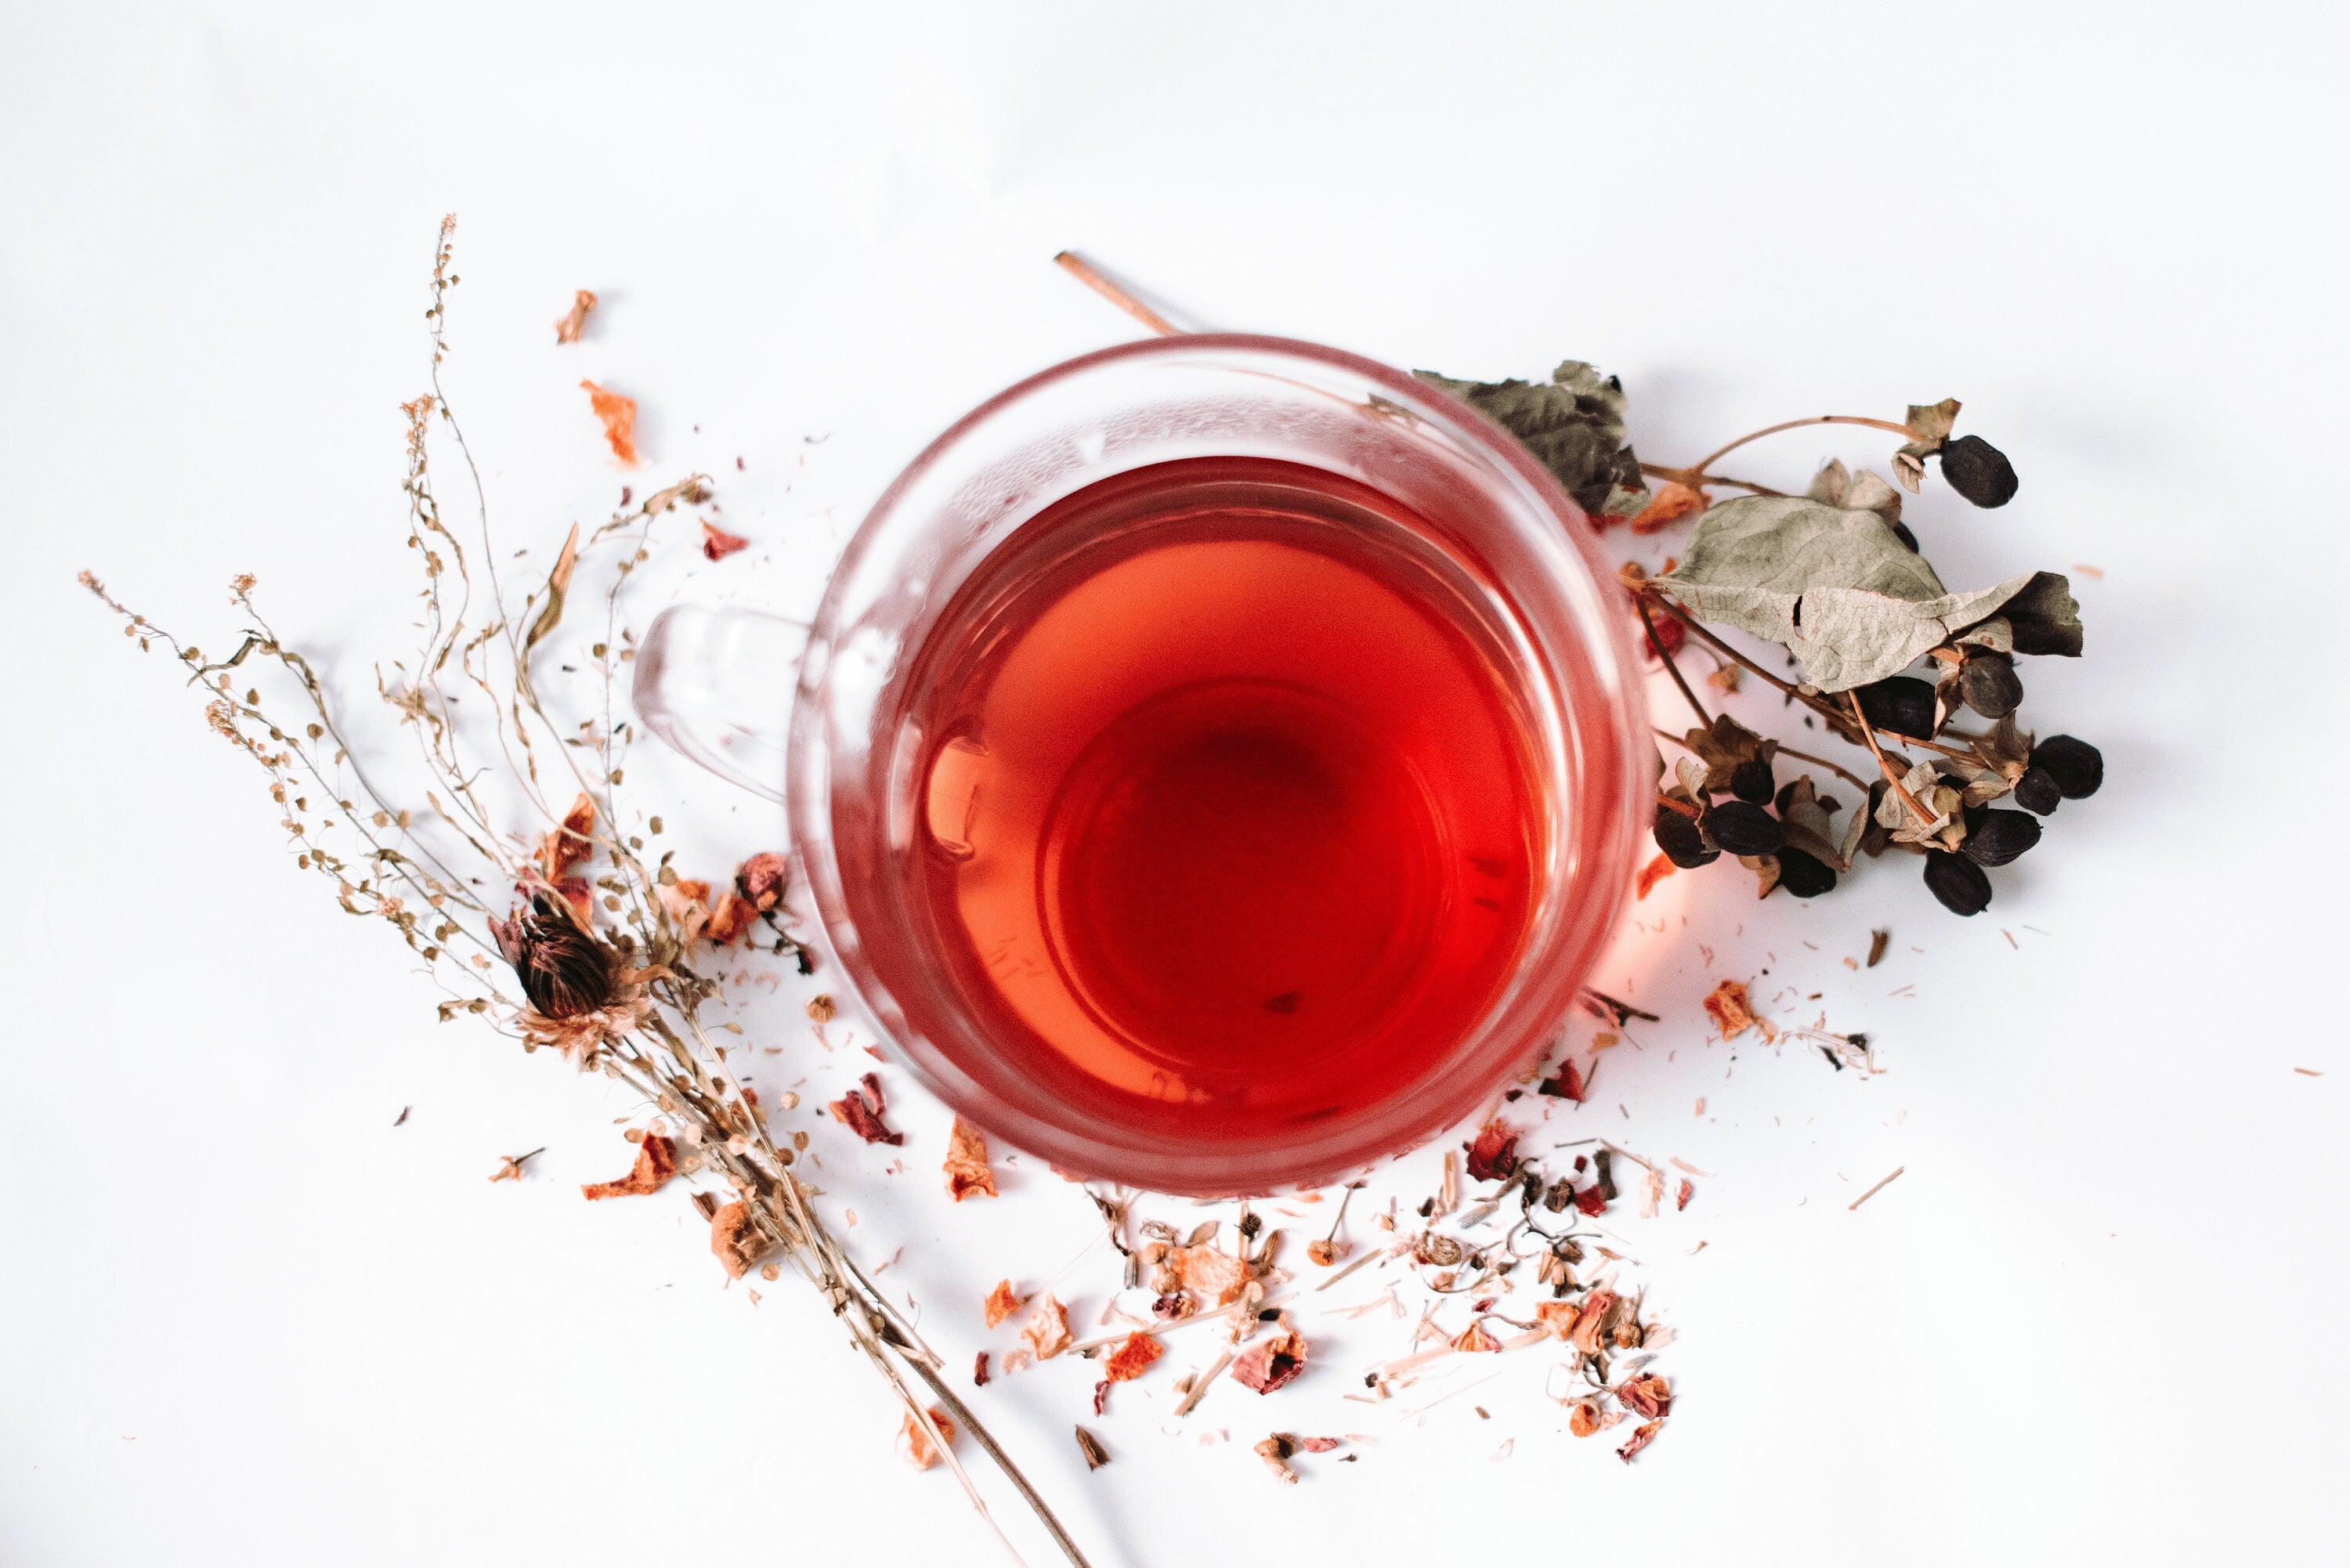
[{"x": 605, "y": 948}]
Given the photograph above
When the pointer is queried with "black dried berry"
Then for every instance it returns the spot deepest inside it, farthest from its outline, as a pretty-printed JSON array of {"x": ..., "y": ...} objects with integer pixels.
[
  {"x": 1751, "y": 780},
  {"x": 1978, "y": 471},
  {"x": 1902, "y": 703},
  {"x": 2036, "y": 791},
  {"x": 1678, "y": 837},
  {"x": 1958, "y": 882},
  {"x": 2077, "y": 766},
  {"x": 1988, "y": 684},
  {"x": 1745, "y": 828},
  {"x": 1901, "y": 532},
  {"x": 2000, "y": 836},
  {"x": 1805, "y": 876}
]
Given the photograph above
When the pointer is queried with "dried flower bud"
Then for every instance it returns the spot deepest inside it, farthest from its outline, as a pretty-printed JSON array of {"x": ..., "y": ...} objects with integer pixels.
[
  {"x": 1958, "y": 882},
  {"x": 2077, "y": 766},
  {"x": 2036, "y": 791},
  {"x": 1744, "y": 828},
  {"x": 1902, "y": 703},
  {"x": 1978, "y": 471},
  {"x": 1678, "y": 838},
  {"x": 1988, "y": 684},
  {"x": 565, "y": 969},
  {"x": 2000, "y": 836}
]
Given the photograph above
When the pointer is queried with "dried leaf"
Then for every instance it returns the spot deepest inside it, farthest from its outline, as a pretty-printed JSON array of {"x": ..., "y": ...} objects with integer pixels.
[
  {"x": 1573, "y": 425},
  {"x": 1840, "y": 591},
  {"x": 656, "y": 1163},
  {"x": 574, "y": 321},
  {"x": 619, "y": 417},
  {"x": 1728, "y": 1007},
  {"x": 718, "y": 544},
  {"x": 966, "y": 1162},
  {"x": 1047, "y": 1329},
  {"x": 1132, "y": 1358},
  {"x": 558, "y": 584},
  {"x": 1270, "y": 1362}
]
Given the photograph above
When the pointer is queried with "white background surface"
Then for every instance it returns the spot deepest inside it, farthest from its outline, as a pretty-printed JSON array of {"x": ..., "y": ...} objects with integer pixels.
[{"x": 245, "y": 1320}]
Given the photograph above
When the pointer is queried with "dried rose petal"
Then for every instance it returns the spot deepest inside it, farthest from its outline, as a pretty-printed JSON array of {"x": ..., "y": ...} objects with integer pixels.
[
  {"x": 1651, "y": 1397},
  {"x": 1317, "y": 1444},
  {"x": 656, "y": 1163},
  {"x": 1101, "y": 1398},
  {"x": 1681, "y": 1199},
  {"x": 1494, "y": 1154},
  {"x": 1566, "y": 1084},
  {"x": 1270, "y": 1362},
  {"x": 619, "y": 417},
  {"x": 966, "y": 1162},
  {"x": 862, "y": 1116},
  {"x": 1727, "y": 1006},
  {"x": 1047, "y": 1329},
  {"x": 1131, "y": 1359},
  {"x": 1001, "y": 1303},
  {"x": 1642, "y": 1436},
  {"x": 718, "y": 544},
  {"x": 570, "y": 843}
]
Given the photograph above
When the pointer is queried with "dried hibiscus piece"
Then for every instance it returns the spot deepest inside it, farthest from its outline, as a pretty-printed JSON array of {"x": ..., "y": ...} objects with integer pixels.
[
  {"x": 1584, "y": 1418},
  {"x": 1566, "y": 1084},
  {"x": 1213, "y": 1276},
  {"x": 736, "y": 1239},
  {"x": 760, "y": 879},
  {"x": 1047, "y": 1329},
  {"x": 915, "y": 1443},
  {"x": 656, "y": 1163},
  {"x": 1651, "y": 1397},
  {"x": 966, "y": 1162},
  {"x": 1494, "y": 1154},
  {"x": 1271, "y": 1362},
  {"x": 1317, "y": 1444},
  {"x": 729, "y": 918},
  {"x": 1590, "y": 1322},
  {"x": 718, "y": 544},
  {"x": 574, "y": 321},
  {"x": 1591, "y": 1200},
  {"x": 860, "y": 1112},
  {"x": 1681, "y": 1199},
  {"x": 1654, "y": 872},
  {"x": 569, "y": 844},
  {"x": 979, "y": 1371},
  {"x": 619, "y": 417},
  {"x": 1473, "y": 1339},
  {"x": 1131, "y": 1359},
  {"x": 1001, "y": 1303},
  {"x": 1642, "y": 1436},
  {"x": 1727, "y": 1006}
]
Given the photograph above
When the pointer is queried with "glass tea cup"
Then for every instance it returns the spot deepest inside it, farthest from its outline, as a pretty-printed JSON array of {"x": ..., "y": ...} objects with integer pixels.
[{"x": 929, "y": 598}]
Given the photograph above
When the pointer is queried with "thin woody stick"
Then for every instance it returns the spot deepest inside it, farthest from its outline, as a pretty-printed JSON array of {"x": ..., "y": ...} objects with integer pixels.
[{"x": 1077, "y": 268}]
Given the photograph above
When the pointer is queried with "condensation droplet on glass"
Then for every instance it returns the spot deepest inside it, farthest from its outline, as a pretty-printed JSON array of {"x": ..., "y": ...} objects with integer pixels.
[{"x": 951, "y": 801}]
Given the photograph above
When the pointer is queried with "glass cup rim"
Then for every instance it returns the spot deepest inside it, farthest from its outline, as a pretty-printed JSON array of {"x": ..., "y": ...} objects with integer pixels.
[{"x": 1580, "y": 903}]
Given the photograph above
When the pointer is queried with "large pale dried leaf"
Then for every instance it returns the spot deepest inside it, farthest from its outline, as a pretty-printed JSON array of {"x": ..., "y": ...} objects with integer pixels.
[
  {"x": 1573, "y": 425},
  {"x": 1839, "y": 590}
]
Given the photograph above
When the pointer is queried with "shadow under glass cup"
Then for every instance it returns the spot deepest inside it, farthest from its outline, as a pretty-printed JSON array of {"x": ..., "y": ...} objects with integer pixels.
[{"x": 1216, "y": 762}]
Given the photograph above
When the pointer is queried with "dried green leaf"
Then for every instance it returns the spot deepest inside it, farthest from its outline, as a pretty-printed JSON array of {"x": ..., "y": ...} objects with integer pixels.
[
  {"x": 1573, "y": 425},
  {"x": 1840, "y": 591}
]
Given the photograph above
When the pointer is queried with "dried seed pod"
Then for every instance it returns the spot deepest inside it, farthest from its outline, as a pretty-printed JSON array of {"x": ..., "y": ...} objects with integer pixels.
[
  {"x": 2077, "y": 766},
  {"x": 1805, "y": 876},
  {"x": 1958, "y": 882},
  {"x": 1988, "y": 683},
  {"x": 1745, "y": 828},
  {"x": 2036, "y": 791},
  {"x": 1683, "y": 844},
  {"x": 1902, "y": 703},
  {"x": 2000, "y": 836},
  {"x": 1751, "y": 781},
  {"x": 1978, "y": 471}
]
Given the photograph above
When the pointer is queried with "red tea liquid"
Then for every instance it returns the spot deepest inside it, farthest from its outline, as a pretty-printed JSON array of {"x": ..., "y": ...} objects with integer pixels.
[{"x": 1229, "y": 820}]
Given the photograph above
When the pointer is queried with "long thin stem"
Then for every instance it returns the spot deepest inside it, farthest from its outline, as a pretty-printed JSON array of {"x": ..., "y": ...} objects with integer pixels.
[
  {"x": 1657, "y": 644},
  {"x": 1709, "y": 460},
  {"x": 1892, "y": 773},
  {"x": 1076, "y": 266}
]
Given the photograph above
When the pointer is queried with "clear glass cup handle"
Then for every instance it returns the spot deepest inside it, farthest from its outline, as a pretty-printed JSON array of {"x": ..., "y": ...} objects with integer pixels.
[{"x": 716, "y": 684}]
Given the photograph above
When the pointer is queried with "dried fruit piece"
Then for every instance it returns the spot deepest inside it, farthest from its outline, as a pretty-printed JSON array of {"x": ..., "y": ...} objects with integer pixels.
[
  {"x": 656, "y": 1163},
  {"x": 2077, "y": 766},
  {"x": 1978, "y": 471},
  {"x": 1271, "y": 1362},
  {"x": 1728, "y": 1007},
  {"x": 860, "y": 1112},
  {"x": 1001, "y": 1303},
  {"x": 1654, "y": 872},
  {"x": 1047, "y": 1329},
  {"x": 966, "y": 1162},
  {"x": 619, "y": 417},
  {"x": 1131, "y": 1359},
  {"x": 736, "y": 1239},
  {"x": 1494, "y": 1154},
  {"x": 1805, "y": 876},
  {"x": 1999, "y": 836},
  {"x": 1988, "y": 684},
  {"x": 1744, "y": 828},
  {"x": 1902, "y": 703},
  {"x": 2037, "y": 791},
  {"x": 1682, "y": 843},
  {"x": 1958, "y": 882}
]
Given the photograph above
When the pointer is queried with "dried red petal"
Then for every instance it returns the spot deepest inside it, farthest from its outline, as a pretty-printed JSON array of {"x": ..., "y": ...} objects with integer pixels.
[
  {"x": 1641, "y": 1437},
  {"x": 1681, "y": 1199},
  {"x": 1654, "y": 872},
  {"x": 1001, "y": 1303},
  {"x": 1566, "y": 1084},
  {"x": 1494, "y": 1154},
  {"x": 1271, "y": 1363},
  {"x": 1131, "y": 1359},
  {"x": 656, "y": 1163},
  {"x": 966, "y": 1162},
  {"x": 915, "y": 1443},
  {"x": 760, "y": 879},
  {"x": 979, "y": 1371},
  {"x": 718, "y": 544},
  {"x": 619, "y": 417},
  {"x": 1317, "y": 1444},
  {"x": 1592, "y": 1199},
  {"x": 1101, "y": 1398},
  {"x": 860, "y": 1117},
  {"x": 569, "y": 843},
  {"x": 1651, "y": 1397}
]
